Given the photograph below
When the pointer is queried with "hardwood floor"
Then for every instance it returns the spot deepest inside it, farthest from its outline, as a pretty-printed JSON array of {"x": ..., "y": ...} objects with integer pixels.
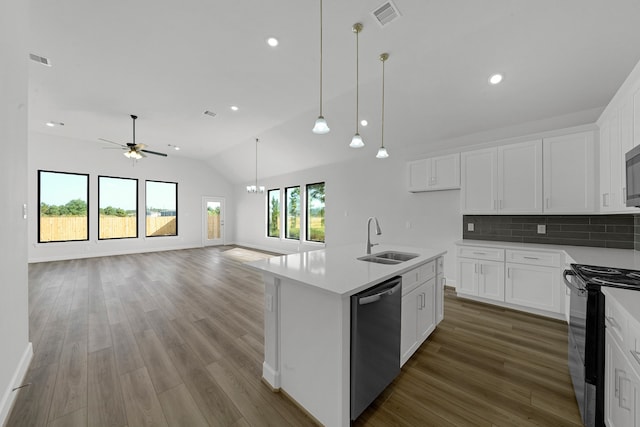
[{"x": 176, "y": 338}]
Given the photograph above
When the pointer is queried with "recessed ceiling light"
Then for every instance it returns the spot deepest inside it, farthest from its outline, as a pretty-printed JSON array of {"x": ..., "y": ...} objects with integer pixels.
[
  {"x": 495, "y": 79},
  {"x": 234, "y": 107},
  {"x": 54, "y": 124},
  {"x": 272, "y": 41},
  {"x": 175, "y": 147},
  {"x": 363, "y": 122}
]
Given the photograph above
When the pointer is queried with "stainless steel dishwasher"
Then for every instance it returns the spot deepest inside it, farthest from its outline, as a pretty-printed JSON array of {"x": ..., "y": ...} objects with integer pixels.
[{"x": 375, "y": 342}]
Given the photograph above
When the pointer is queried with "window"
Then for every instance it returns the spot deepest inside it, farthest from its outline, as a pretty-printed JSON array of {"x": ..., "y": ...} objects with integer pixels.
[
  {"x": 161, "y": 208},
  {"x": 273, "y": 213},
  {"x": 117, "y": 207},
  {"x": 63, "y": 206},
  {"x": 292, "y": 209},
  {"x": 315, "y": 212}
]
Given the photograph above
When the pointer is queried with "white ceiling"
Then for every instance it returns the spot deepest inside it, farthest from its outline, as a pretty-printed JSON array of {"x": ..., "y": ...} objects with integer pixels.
[{"x": 169, "y": 61}]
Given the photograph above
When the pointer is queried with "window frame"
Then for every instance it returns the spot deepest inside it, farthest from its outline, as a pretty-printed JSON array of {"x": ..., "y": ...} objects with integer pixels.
[
  {"x": 268, "y": 231},
  {"x": 40, "y": 172},
  {"x": 286, "y": 212},
  {"x": 136, "y": 205},
  {"x": 146, "y": 207},
  {"x": 307, "y": 217}
]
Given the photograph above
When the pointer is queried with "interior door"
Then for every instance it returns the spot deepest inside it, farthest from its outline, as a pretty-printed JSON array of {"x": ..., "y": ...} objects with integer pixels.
[{"x": 213, "y": 221}]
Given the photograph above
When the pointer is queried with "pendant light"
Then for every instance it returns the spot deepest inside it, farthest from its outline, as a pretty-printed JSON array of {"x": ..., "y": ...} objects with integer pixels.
[
  {"x": 321, "y": 127},
  {"x": 382, "y": 152},
  {"x": 254, "y": 189},
  {"x": 356, "y": 141}
]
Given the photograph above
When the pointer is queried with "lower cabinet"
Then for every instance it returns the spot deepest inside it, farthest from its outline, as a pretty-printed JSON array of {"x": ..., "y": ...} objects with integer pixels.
[
  {"x": 520, "y": 279},
  {"x": 422, "y": 305},
  {"x": 622, "y": 388},
  {"x": 418, "y": 318},
  {"x": 534, "y": 286}
]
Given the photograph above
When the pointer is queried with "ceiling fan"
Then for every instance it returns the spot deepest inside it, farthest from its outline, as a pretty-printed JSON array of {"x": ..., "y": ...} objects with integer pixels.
[{"x": 133, "y": 150}]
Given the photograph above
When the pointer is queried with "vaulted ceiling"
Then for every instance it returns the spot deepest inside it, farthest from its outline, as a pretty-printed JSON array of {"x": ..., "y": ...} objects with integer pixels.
[{"x": 169, "y": 61}]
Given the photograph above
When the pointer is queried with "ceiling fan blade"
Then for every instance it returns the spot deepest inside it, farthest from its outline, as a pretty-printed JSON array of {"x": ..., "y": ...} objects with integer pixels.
[
  {"x": 111, "y": 142},
  {"x": 139, "y": 146},
  {"x": 141, "y": 154},
  {"x": 155, "y": 152}
]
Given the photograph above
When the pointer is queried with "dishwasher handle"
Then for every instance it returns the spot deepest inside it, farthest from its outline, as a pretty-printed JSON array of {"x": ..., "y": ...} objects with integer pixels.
[{"x": 376, "y": 297}]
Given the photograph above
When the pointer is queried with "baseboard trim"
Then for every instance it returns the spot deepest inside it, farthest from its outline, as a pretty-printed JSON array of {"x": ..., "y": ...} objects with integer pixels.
[{"x": 9, "y": 395}]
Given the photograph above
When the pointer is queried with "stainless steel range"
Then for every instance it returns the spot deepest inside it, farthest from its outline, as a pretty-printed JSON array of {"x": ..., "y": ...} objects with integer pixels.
[{"x": 587, "y": 332}]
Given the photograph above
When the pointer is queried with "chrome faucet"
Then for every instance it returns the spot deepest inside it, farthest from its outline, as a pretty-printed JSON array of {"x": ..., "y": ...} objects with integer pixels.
[{"x": 378, "y": 232}]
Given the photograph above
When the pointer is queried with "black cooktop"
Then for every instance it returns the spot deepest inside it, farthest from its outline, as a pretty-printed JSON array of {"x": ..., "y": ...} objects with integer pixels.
[{"x": 594, "y": 275}]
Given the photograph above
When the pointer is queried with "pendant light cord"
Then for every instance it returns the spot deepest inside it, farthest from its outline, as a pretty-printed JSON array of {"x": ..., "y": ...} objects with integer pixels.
[
  {"x": 320, "y": 57},
  {"x": 256, "y": 164},
  {"x": 382, "y": 137},
  {"x": 357, "y": 79}
]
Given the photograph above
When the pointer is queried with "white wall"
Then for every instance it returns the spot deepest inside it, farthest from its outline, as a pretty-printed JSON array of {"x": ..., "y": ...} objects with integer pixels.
[
  {"x": 15, "y": 349},
  {"x": 195, "y": 180},
  {"x": 356, "y": 190}
]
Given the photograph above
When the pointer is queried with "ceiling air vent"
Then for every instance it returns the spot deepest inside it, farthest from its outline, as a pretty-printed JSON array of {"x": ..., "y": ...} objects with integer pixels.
[
  {"x": 210, "y": 113},
  {"x": 40, "y": 59},
  {"x": 386, "y": 13}
]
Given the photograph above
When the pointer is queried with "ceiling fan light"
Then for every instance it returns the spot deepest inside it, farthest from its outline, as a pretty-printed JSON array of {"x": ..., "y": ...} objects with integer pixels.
[
  {"x": 127, "y": 154},
  {"x": 356, "y": 141},
  {"x": 382, "y": 153},
  {"x": 320, "y": 127}
]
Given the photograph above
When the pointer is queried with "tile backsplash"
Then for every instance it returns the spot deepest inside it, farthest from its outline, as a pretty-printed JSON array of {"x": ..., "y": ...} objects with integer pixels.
[{"x": 605, "y": 231}]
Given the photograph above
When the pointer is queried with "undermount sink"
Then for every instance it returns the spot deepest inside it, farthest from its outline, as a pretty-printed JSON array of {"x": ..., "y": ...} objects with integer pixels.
[{"x": 389, "y": 257}]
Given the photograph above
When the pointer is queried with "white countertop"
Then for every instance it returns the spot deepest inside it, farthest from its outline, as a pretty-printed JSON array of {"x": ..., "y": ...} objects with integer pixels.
[
  {"x": 338, "y": 270},
  {"x": 621, "y": 258}
]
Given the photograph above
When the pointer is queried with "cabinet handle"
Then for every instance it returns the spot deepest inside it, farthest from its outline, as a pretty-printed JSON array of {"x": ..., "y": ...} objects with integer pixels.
[
  {"x": 635, "y": 355},
  {"x": 481, "y": 272},
  {"x": 605, "y": 199},
  {"x": 612, "y": 322},
  {"x": 531, "y": 257},
  {"x": 547, "y": 203},
  {"x": 617, "y": 383},
  {"x": 475, "y": 268},
  {"x": 622, "y": 399},
  {"x": 495, "y": 205},
  {"x": 424, "y": 300},
  {"x": 508, "y": 272},
  {"x": 479, "y": 253},
  {"x": 501, "y": 204}
]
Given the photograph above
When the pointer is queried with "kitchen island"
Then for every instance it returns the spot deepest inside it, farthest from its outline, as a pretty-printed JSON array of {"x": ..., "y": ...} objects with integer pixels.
[{"x": 307, "y": 321}]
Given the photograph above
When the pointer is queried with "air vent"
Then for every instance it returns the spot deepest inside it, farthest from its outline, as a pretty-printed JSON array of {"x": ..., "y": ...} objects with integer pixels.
[
  {"x": 386, "y": 13},
  {"x": 40, "y": 59},
  {"x": 210, "y": 113}
]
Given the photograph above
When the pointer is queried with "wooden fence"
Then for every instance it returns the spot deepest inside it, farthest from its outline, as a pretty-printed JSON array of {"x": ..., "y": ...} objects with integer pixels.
[
  {"x": 213, "y": 227},
  {"x": 60, "y": 228}
]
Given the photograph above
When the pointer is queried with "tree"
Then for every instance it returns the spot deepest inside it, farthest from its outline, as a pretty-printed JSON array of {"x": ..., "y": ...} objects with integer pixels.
[
  {"x": 294, "y": 213},
  {"x": 274, "y": 229}
]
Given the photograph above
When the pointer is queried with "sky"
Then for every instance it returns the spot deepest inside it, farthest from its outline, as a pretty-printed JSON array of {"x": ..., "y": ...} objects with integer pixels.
[{"x": 60, "y": 188}]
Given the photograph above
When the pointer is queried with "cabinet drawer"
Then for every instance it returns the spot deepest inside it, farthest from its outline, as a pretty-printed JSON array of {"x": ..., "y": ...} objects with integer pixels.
[
  {"x": 418, "y": 275},
  {"x": 549, "y": 259},
  {"x": 632, "y": 339},
  {"x": 616, "y": 321},
  {"x": 478, "y": 252}
]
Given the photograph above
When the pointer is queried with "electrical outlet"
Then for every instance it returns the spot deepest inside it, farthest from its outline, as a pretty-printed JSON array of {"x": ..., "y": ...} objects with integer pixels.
[
  {"x": 542, "y": 229},
  {"x": 470, "y": 226},
  {"x": 268, "y": 302}
]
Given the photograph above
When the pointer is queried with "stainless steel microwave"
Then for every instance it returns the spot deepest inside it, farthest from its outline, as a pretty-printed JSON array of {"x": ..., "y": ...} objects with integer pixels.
[{"x": 632, "y": 160}]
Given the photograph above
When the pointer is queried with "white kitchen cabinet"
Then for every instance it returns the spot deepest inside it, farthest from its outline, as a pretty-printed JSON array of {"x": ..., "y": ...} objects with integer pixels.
[
  {"x": 569, "y": 173},
  {"x": 418, "y": 308},
  {"x": 534, "y": 286},
  {"x": 440, "y": 283},
  {"x": 622, "y": 365},
  {"x": 436, "y": 173},
  {"x": 616, "y": 138},
  {"x": 479, "y": 274},
  {"x": 504, "y": 179}
]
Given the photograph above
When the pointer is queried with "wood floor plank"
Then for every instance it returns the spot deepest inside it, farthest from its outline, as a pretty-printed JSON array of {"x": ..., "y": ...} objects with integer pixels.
[
  {"x": 125, "y": 348},
  {"x": 105, "y": 402},
  {"x": 180, "y": 409},
  {"x": 214, "y": 403},
  {"x": 99, "y": 331},
  {"x": 70, "y": 392},
  {"x": 202, "y": 347},
  {"x": 77, "y": 418},
  {"x": 161, "y": 370},
  {"x": 33, "y": 402},
  {"x": 140, "y": 399}
]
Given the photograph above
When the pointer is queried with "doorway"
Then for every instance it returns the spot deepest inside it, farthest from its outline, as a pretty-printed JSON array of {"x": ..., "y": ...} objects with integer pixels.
[{"x": 213, "y": 221}]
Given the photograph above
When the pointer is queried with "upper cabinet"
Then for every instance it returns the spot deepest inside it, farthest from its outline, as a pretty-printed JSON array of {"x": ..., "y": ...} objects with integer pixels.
[
  {"x": 554, "y": 175},
  {"x": 436, "y": 173},
  {"x": 505, "y": 179},
  {"x": 569, "y": 173}
]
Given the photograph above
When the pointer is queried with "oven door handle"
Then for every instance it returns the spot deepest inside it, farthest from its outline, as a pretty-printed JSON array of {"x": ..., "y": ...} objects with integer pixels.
[{"x": 571, "y": 285}]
